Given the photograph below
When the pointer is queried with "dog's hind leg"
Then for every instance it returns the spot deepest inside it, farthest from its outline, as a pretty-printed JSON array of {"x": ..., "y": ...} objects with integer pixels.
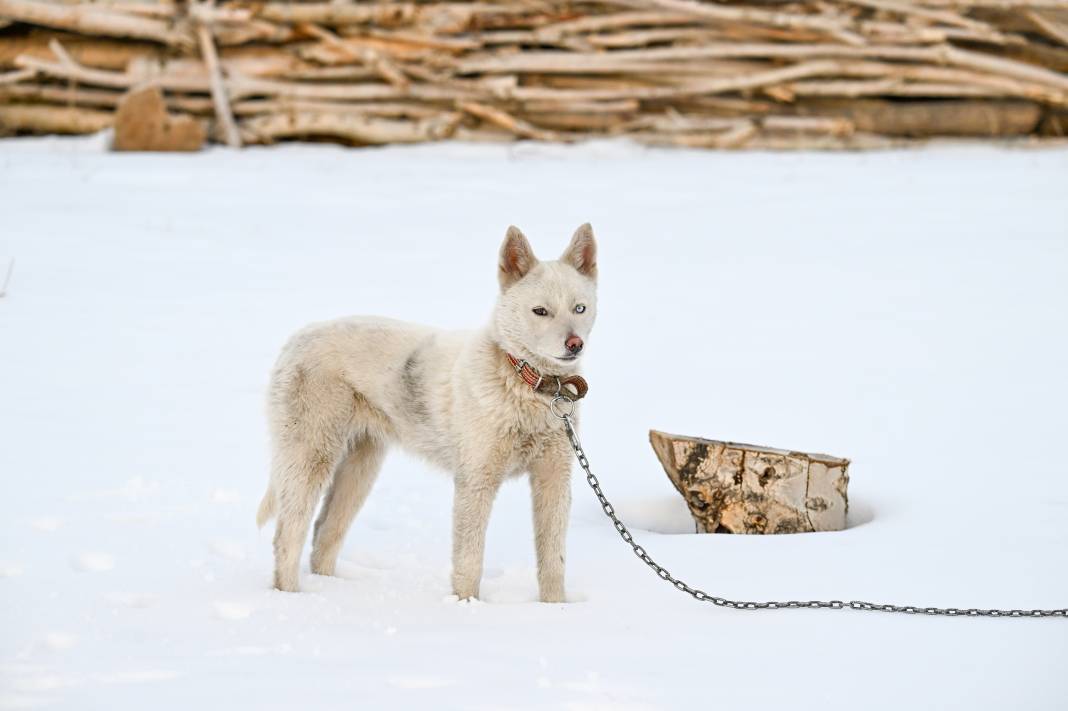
[
  {"x": 302, "y": 472},
  {"x": 352, "y": 483},
  {"x": 311, "y": 413}
]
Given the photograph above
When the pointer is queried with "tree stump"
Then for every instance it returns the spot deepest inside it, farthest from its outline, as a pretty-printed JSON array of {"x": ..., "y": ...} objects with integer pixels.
[
  {"x": 743, "y": 488},
  {"x": 143, "y": 124}
]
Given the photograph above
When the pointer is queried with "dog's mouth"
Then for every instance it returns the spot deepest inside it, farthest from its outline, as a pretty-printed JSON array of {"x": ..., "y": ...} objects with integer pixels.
[{"x": 567, "y": 358}]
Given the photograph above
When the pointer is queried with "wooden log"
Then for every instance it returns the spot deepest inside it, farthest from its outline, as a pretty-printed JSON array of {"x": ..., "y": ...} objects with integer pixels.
[
  {"x": 895, "y": 76},
  {"x": 508, "y": 122},
  {"x": 372, "y": 58},
  {"x": 1053, "y": 26},
  {"x": 883, "y": 32},
  {"x": 442, "y": 16},
  {"x": 91, "y": 20},
  {"x": 616, "y": 20},
  {"x": 358, "y": 129},
  {"x": 256, "y": 64},
  {"x": 572, "y": 124},
  {"x": 827, "y": 142},
  {"x": 32, "y": 118},
  {"x": 219, "y": 96},
  {"x": 90, "y": 51},
  {"x": 54, "y": 94},
  {"x": 939, "y": 55},
  {"x": 742, "y": 488},
  {"x": 1001, "y": 4},
  {"x": 204, "y": 106},
  {"x": 231, "y": 34},
  {"x": 387, "y": 14},
  {"x": 16, "y": 76},
  {"x": 834, "y": 25},
  {"x": 942, "y": 16},
  {"x": 245, "y": 87},
  {"x": 704, "y": 87},
  {"x": 1055, "y": 125},
  {"x": 887, "y": 87},
  {"x": 926, "y": 119},
  {"x": 1055, "y": 58}
]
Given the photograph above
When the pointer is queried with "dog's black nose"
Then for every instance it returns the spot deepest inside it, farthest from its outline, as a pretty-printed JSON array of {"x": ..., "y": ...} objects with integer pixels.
[{"x": 573, "y": 345}]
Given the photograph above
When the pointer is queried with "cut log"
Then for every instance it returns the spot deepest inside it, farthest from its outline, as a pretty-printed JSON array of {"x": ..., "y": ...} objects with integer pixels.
[
  {"x": 34, "y": 118},
  {"x": 743, "y": 488},
  {"x": 357, "y": 129},
  {"x": 91, "y": 51},
  {"x": 90, "y": 20},
  {"x": 143, "y": 124},
  {"x": 935, "y": 118}
]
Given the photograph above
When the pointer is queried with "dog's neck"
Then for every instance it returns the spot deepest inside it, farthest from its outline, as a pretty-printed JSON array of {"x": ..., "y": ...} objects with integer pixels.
[{"x": 570, "y": 386}]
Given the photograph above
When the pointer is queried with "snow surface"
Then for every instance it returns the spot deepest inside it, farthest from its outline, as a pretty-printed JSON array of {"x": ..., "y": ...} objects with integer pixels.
[{"x": 904, "y": 309}]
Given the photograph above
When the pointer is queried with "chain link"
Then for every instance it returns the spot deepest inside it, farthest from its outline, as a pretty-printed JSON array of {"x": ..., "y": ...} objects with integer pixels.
[{"x": 702, "y": 596}]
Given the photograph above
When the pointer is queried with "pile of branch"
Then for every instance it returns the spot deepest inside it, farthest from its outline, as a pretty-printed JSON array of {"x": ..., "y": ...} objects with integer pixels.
[{"x": 729, "y": 74}]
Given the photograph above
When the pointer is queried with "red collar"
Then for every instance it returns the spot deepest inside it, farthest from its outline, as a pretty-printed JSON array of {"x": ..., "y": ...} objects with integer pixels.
[{"x": 573, "y": 387}]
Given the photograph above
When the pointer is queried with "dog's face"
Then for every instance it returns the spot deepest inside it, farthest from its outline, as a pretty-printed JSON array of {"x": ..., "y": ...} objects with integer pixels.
[{"x": 546, "y": 309}]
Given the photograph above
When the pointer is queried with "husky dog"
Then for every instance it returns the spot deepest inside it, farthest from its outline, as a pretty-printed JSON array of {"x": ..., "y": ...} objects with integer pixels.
[{"x": 475, "y": 404}]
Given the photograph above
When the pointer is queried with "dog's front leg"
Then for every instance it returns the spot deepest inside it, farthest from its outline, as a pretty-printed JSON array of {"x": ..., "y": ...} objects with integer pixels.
[
  {"x": 550, "y": 488},
  {"x": 475, "y": 491}
]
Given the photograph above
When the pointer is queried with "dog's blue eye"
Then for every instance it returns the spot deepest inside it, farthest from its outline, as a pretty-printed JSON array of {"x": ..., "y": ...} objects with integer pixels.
[
  {"x": 540, "y": 311},
  {"x": 581, "y": 308}
]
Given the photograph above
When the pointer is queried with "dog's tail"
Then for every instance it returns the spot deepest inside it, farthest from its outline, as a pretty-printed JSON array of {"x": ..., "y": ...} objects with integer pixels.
[{"x": 267, "y": 508}]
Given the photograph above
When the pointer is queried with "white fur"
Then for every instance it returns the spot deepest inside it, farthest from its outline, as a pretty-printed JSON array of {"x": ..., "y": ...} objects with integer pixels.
[{"x": 343, "y": 391}]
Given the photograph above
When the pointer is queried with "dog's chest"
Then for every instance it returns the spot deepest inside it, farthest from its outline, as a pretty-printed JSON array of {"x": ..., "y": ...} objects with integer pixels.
[
  {"x": 519, "y": 433},
  {"x": 522, "y": 446},
  {"x": 529, "y": 446}
]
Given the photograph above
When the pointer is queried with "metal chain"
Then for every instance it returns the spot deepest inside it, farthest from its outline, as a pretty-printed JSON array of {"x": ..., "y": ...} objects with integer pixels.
[{"x": 702, "y": 596}]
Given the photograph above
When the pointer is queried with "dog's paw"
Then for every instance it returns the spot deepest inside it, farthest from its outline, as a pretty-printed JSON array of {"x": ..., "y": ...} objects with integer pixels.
[
  {"x": 286, "y": 585},
  {"x": 551, "y": 588},
  {"x": 324, "y": 567},
  {"x": 553, "y": 594},
  {"x": 464, "y": 590}
]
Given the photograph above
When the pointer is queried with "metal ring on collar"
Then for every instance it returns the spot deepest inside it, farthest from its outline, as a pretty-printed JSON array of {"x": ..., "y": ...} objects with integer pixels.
[{"x": 556, "y": 411}]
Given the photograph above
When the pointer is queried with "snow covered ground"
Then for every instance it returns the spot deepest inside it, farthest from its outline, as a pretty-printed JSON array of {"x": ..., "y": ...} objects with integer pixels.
[{"x": 904, "y": 309}]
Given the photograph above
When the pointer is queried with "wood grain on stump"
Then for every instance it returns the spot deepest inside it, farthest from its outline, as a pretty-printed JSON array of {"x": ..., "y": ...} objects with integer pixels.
[{"x": 743, "y": 488}]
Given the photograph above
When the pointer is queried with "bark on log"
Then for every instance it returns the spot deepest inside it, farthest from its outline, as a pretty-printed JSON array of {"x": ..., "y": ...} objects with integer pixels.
[
  {"x": 743, "y": 488},
  {"x": 93, "y": 52},
  {"x": 29, "y": 118},
  {"x": 87, "y": 19},
  {"x": 357, "y": 129},
  {"x": 937, "y": 118}
]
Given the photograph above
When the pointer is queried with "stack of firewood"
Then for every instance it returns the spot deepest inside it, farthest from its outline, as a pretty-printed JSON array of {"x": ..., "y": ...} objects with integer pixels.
[{"x": 730, "y": 74}]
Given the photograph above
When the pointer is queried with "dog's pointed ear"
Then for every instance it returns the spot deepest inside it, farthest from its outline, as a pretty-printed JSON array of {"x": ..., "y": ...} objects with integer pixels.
[
  {"x": 517, "y": 258},
  {"x": 582, "y": 252}
]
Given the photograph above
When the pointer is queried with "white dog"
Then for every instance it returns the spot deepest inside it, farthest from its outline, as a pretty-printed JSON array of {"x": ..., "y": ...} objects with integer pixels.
[{"x": 475, "y": 404}]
